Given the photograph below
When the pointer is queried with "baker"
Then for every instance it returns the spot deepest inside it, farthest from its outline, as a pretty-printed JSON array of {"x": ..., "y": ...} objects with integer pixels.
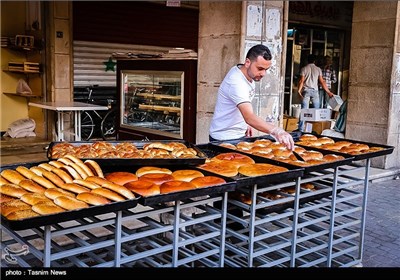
[{"x": 233, "y": 115}]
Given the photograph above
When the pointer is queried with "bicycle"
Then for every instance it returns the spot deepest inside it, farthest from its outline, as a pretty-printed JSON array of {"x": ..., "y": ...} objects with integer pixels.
[{"x": 106, "y": 121}]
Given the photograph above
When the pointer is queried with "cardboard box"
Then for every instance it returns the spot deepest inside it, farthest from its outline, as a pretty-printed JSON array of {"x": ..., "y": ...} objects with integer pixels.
[
  {"x": 335, "y": 102},
  {"x": 290, "y": 123},
  {"x": 317, "y": 127},
  {"x": 314, "y": 115}
]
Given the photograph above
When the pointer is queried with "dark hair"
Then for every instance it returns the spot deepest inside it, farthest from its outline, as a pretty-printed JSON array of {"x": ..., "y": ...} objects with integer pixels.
[
  {"x": 259, "y": 50},
  {"x": 311, "y": 58}
]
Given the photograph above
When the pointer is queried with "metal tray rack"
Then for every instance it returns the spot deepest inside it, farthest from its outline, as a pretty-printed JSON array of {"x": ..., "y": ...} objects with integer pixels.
[
  {"x": 161, "y": 236},
  {"x": 120, "y": 162}
]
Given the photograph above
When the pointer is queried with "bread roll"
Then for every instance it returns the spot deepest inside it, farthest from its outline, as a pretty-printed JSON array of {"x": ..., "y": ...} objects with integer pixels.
[
  {"x": 5, "y": 198},
  {"x": 238, "y": 159},
  {"x": 46, "y": 166},
  {"x": 289, "y": 190},
  {"x": 259, "y": 169},
  {"x": 307, "y": 137},
  {"x": 52, "y": 193},
  {"x": 66, "y": 161},
  {"x": 108, "y": 194},
  {"x": 47, "y": 209},
  {"x": 24, "y": 171},
  {"x": 186, "y": 175},
  {"x": 158, "y": 145},
  {"x": 71, "y": 171},
  {"x": 156, "y": 178},
  {"x": 34, "y": 198},
  {"x": 86, "y": 184},
  {"x": 70, "y": 203},
  {"x": 37, "y": 170},
  {"x": 121, "y": 177},
  {"x": 271, "y": 195},
  {"x": 43, "y": 182},
  {"x": 119, "y": 189},
  {"x": 97, "y": 180},
  {"x": 152, "y": 169},
  {"x": 92, "y": 198},
  {"x": 94, "y": 167},
  {"x": 176, "y": 186},
  {"x": 308, "y": 155},
  {"x": 22, "y": 214},
  {"x": 12, "y": 176},
  {"x": 73, "y": 158},
  {"x": 227, "y": 169},
  {"x": 12, "y": 190},
  {"x": 142, "y": 187},
  {"x": 12, "y": 206},
  {"x": 57, "y": 164},
  {"x": 205, "y": 181},
  {"x": 332, "y": 157},
  {"x": 299, "y": 163},
  {"x": 80, "y": 170},
  {"x": 53, "y": 178},
  {"x": 228, "y": 145},
  {"x": 3, "y": 181},
  {"x": 307, "y": 186},
  {"x": 74, "y": 188},
  {"x": 62, "y": 174},
  {"x": 31, "y": 186}
]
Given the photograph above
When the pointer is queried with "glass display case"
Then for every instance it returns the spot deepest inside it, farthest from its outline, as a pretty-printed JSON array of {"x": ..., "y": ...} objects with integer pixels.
[{"x": 157, "y": 99}]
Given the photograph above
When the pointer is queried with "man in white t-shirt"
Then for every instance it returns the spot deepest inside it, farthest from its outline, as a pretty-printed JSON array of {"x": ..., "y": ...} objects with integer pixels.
[{"x": 234, "y": 117}]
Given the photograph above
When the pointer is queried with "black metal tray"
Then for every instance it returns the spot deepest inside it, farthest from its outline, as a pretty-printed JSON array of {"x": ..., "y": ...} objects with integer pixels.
[
  {"x": 229, "y": 186},
  {"x": 44, "y": 220},
  {"x": 307, "y": 169},
  {"x": 103, "y": 162},
  {"x": 386, "y": 151},
  {"x": 212, "y": 150}
]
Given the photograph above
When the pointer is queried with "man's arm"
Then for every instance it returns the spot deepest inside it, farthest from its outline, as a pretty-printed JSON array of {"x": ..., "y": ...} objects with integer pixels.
[
  {"x": 323, "y": 84},
  {"x": 300, "y": 86}
]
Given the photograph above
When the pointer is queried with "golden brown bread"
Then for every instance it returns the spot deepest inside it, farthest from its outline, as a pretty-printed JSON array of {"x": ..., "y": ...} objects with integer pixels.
[
  {"x": 227, "y": 169},
  {"x": 3, "y": 180},
  {"x": 57, "y": 164},
  {"x": 119, "y": 189},
  {"x": 70, "y": 203},
  {"x": 46, "y": 166},
  {"x": 108, "y": 194},
  {"x": 47, "y": 209},
  {"x": 176, "y": 186},
  {"x": 78, "y": 168},
  {"x": 64, "y": 160},
  {"x": 307, "y": 137},
  {"x": 307, "y": 186},
  {"x": 37, "y": 170},
  {"x": 332, "y": 157},
  {"x": 228, "y": 145},
  {"x": 73, "y": 158},
  {"x": 86, "y": 169},
  {"x": 94, "y": 167},
  {"x": 205, "y": 181},
  {"x": 71, "y": 171},
  {"x": 97, "y": 180},
  {"x": 86, "y": 184},
  {"x": 31, "y": 186},
  {"x": 237, "y": 158},
  {"x": 24, "y": 171},
  {"x": 34, "y": 198},
  {"x": 5, "y": 198},
  {"x": 121, "y": 177},
  {"x": 186, "y": 174},
  {"x": 22, "y": 214},
  {"x": 12, "y": 206},
  {"x": 152, "y": 169},
  {"x": 57, "y": 181},
  {"x": 43, "y": 182},
  {"x": 156, "y": 178},
  {"x": 259, "y": 169},
  {"x": 12, "y": 190},
  {"x": 12, "y": 176},
  {"x": 62, "y": 174},
  {"x": 92, "y": 198},
  {"x": 144, "y": 188},
  {"x": 52, "y": 193},
  {"x": 74, "y": 188}
]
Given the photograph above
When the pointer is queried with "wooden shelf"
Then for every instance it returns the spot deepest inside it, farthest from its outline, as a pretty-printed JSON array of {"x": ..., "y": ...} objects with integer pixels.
[
  {"x": 22, "y": 71},
  {"x": 160, "y": 108},
  {"x": 22, "y": 95},
  {"x": 159, "y": 96}
]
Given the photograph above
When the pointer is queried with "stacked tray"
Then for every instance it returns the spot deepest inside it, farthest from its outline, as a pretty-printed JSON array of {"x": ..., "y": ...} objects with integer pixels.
[
  {"x": 110, "y": 162},
  {"x": 292, "y": 173},
  {"x": 67, "y": 215},
  {"x": 386, "y": 150},
  {"x": 307, "y": 169}
]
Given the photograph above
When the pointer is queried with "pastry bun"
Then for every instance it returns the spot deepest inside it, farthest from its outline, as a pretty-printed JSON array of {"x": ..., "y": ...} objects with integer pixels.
[
  {"x": 24, "y": 171},
  {"x": 31, "y": 186},
  {"x": 259, "y": 169},
  {"x": 70, "y": 203},
  {"x": 94, "y": 167},
  {"x": 108, "y": 194},
  {"x": 143, "y": 188},
  {"x": 176, "y": 186},
  {"x": 152, "y": 169},
  {"x": 12, "y": 206},
  {"x": 307, "y": 137},
  {"x": 121, "y": 177},
  {"x": 226, "y": 169},
  {"x": 22, "y": 214},
  {"x": 53, "y": 193},
  {"x": 206, "y": 181},
  {"x": 47, "y": 209},
  {"x": 57, "y": 181},
  {"x": 92, "y": 198},
  {"x": 74, "y": 188},
  {"x": 12, "y": 190},
  {"x": 87, "y": 184},
  {"x": 332, "y": 157},
  {"x": 34, "y": 198},
  {"x": 119, "y": 189},
  {"x": 97, "y": 180},
  {"x": 5, "y": 198},
  {"x": 12, "y": 176},
  {"x": 156, "y": 178},
  {"x": 186, "y": 175},
  {"x": 228, "y": 145},
  {"x": 237, "y": 158}
]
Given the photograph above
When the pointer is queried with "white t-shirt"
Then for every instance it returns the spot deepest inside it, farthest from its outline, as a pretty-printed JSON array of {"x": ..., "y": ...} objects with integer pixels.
[
  {"x": 311, "y": 72},
  {"x": 227, "y": 122}
]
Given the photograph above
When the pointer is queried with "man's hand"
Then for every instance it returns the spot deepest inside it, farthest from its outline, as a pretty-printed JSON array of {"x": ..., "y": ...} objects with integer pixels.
[
  {"x": 283, "y": 137},
  {"x": 249, "y": 132}
]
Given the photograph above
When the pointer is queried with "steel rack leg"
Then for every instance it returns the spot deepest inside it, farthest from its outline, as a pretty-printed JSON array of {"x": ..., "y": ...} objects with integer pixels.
[
  {"x": 47, "y": 246},
  {"x": 118, "y": 237},
  {"x": 223, "y": 229},
  {"x": 364, "y": 208},
  {"x": 295, "y": 223},
  {"x": 175, "y": 247},
  {"x": 252, "y": 224},
  {"x": 332, "y": 218}
]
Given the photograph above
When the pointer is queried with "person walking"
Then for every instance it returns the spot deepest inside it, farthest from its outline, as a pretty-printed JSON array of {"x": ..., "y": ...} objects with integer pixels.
[
  {"x": 329, "y": 76},
  {"x": 310, "y": 76},
  {"x": 233, "y": 115}
]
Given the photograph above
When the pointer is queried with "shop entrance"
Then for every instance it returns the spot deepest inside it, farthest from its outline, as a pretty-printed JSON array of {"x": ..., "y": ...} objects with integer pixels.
[{"x": 305, "y": 40}]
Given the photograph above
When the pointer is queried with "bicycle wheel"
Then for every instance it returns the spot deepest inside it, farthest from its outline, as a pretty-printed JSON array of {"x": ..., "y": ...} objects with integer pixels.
[
  {"x": 108, "y": 125},
  {"x": 87, "y": 126}
]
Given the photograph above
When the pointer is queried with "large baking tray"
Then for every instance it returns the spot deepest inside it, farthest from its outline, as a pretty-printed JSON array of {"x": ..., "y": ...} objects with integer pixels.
[
  {"x": 307, "y": 169},
  {"x": 229, "y": 186},
  {"x": 105, "y": 162},
  {"x": 386, "y": 151},
  {"x": 44, "y": 220},
  {"x": 212, "y": 150}
]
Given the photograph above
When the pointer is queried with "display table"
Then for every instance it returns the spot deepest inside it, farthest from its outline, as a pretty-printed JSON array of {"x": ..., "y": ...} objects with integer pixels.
[{"x": 63, "y": 107}]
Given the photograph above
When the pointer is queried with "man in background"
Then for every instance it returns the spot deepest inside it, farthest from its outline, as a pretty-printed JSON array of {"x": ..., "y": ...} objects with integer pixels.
[{"x": 329, "y": 76}]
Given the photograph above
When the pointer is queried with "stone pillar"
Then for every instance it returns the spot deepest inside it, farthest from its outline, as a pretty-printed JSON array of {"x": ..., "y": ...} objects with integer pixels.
[{"x": 374, "y": 91}]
